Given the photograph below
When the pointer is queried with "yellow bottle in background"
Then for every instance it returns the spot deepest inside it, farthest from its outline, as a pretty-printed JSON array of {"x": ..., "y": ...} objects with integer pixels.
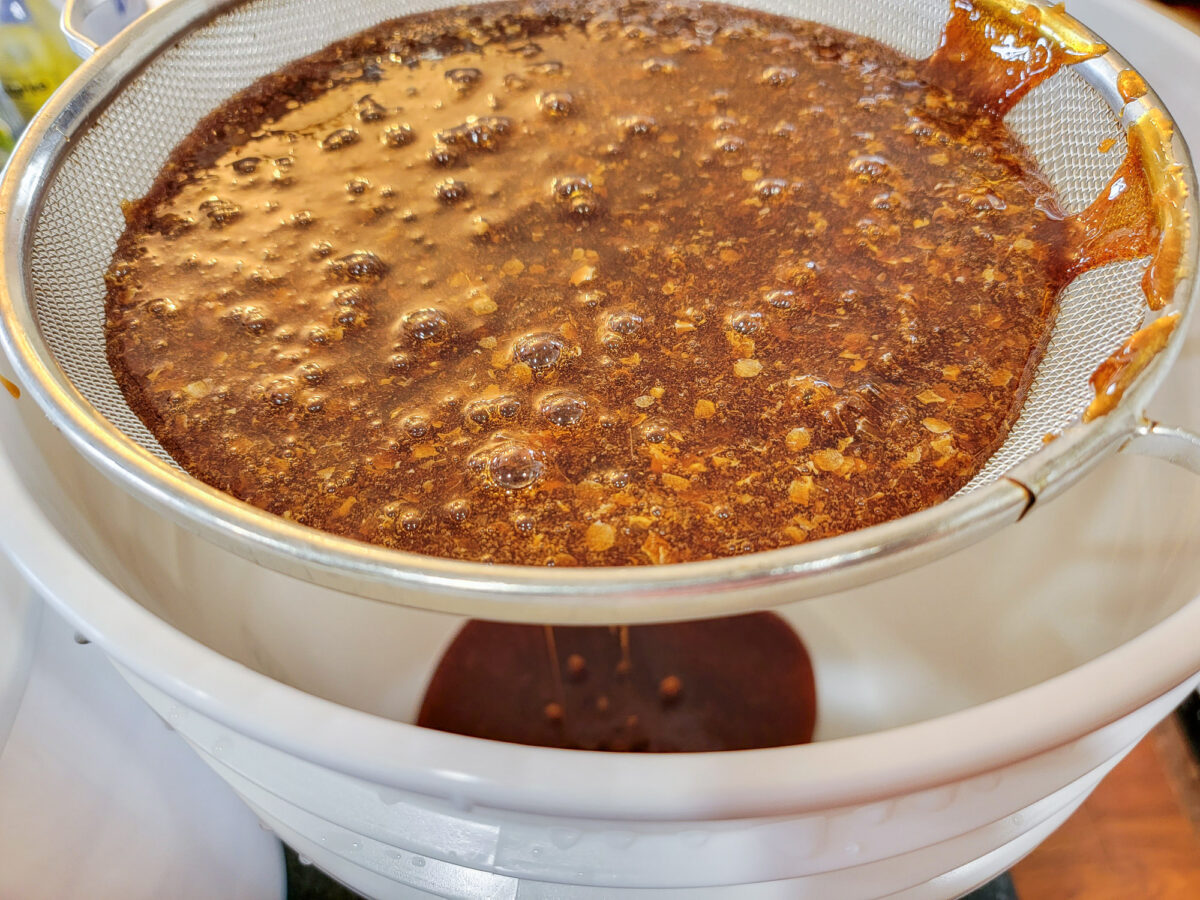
[
  {"x": 6, "y": 143},
  {"x": 34, "y": 56}
]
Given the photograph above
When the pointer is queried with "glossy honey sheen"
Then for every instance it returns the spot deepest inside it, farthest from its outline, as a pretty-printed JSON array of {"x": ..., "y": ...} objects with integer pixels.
[{"x": 595, "y": 284}]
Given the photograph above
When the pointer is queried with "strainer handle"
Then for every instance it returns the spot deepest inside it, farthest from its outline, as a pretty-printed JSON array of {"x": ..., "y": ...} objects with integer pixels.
[
  {"x": 1175, "y": 445},
  {"x": 87, "y": 24}
]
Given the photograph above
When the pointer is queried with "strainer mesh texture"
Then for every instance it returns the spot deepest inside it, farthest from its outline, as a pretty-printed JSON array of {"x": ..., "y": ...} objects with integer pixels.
[{"x": 1063, "y": 122}]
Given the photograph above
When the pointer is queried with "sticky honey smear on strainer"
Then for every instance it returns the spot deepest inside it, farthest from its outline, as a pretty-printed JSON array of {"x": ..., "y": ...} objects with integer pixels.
[{"x": 996, "y": 51}]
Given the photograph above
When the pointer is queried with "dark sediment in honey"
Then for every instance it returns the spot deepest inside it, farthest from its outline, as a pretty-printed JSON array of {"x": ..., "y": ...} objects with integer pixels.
[{"x": 593, "y": 284}]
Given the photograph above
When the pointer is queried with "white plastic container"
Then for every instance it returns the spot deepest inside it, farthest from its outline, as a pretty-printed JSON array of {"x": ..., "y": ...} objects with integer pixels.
[
  {"x": 966, "y": 708},
  {"x": 89, "y": 774}
]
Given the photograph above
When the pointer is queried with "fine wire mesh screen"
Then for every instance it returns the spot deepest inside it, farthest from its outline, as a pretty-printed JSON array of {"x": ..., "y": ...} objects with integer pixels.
[{"x": 1063, "y": 122}]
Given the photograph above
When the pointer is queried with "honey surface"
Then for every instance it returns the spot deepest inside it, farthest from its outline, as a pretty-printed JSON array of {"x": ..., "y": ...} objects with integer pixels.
[{"x": 600, "y": 285}]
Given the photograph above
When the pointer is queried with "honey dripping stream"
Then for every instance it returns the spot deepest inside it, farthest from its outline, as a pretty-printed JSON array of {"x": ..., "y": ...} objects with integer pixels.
[
  {"x": 732, "y": 683},
  {"x": 994, "y": 52},
  {"x": 576, "y": 665}
]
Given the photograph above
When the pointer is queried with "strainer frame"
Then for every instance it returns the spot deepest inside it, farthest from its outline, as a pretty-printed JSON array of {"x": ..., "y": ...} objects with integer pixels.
[{"x": 600, "y": 595}]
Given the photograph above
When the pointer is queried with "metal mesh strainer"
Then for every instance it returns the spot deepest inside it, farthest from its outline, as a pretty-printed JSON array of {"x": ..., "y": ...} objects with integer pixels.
[{"x": 109, "y": 131}]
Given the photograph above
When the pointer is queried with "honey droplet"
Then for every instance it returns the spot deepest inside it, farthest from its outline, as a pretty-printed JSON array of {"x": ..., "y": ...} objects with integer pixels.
[
  {"x": 576, "y": 666},
  {"x": 1130, "y": 85},
  {"x": 670, "y": 688}
]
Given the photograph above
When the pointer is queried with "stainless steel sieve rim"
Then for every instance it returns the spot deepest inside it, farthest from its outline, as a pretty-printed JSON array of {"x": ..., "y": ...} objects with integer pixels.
[{"x": 599, "y": 595}]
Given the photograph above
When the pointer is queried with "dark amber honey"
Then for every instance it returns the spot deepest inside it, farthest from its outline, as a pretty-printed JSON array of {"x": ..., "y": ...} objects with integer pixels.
[{"x": 605, "y": 284}]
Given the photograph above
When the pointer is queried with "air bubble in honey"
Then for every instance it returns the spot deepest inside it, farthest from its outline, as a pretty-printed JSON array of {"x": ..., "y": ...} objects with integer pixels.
[
  {"x": 411, "y": 519},
  {"x": 416, "y": 425},
  {"x": 516, "y": 83},
  {"x": 340, "y": 139},
  {"x": 540, "y": 351},
  {"x": 464, "y": 78},
  {"x": 624, "y": 322},
  {"x": 563, "y": 408},
  {"x": 746, "y": 321},
  {"x": 162, "y": 308},
  {"x": 660, "y": 66},
  {"x": 778, "y": 76},
  {"x": 361, "y": 265},
  {"x": 780, "y": 299},
  {"x": 637, "y": 126},
  {"x": 428, "y": 324},
  {"x": 654, "y": 431},
  {"x": 220, "y": 212},
  {"x": 766, "y": 188},
  {"x": 451, "y": 191},
  {"x": 398, "y": 135},
  {"x": 556, "y": 104},
  {"x": 511, "y": 466},
  {"x": 457, "y": 511},
  {"x": 368, "y": 110},
  {"x": 508, "y": 407},
  {"x": 281, "y": 391},
  {"x": 869, "y": 167},
  {"x": 483, "y": 133}
]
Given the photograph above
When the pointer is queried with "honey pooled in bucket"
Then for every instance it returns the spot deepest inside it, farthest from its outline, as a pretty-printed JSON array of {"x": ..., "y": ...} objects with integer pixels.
[
  {"x": 599, "y": 283},
  {"x": 736, "y": 683}
]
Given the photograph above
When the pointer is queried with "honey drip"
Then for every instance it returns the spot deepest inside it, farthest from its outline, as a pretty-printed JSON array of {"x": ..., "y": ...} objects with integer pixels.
[
  {"x": 1131, "y": 86},
  {"x": 11, "y": 388},
  {"x": 1140, "y": 212},
  {"x": 1114, "y": 376},
  {"x": 996, "y": 51}
]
